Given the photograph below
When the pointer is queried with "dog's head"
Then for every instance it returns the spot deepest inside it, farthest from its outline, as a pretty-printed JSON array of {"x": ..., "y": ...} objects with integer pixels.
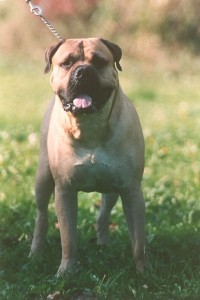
[{"x": 84, "y": 73}]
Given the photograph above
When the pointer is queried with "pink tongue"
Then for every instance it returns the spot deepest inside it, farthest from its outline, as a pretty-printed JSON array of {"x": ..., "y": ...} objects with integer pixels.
[{"x": 82, "y": 101}]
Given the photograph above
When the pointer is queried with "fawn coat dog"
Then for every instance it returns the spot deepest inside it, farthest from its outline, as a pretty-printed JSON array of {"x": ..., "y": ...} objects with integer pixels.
[{"x": 91, "y": 140}]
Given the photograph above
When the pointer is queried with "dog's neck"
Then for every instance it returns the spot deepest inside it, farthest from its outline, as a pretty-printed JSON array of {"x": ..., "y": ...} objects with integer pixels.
[{"x": 87, "y": 129}]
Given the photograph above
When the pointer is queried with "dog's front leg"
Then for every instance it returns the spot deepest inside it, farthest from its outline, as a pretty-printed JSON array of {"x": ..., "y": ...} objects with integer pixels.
[
  {"x": 134, "y": 211},
  {"x": 66, "y": 210},
  {"x": 44, "y": 187}
]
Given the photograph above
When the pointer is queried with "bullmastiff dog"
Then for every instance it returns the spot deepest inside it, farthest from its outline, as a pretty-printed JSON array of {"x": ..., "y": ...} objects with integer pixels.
[{"x": 91, "y": 140}]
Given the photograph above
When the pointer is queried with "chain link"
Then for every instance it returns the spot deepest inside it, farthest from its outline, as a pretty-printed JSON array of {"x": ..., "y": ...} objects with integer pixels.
[
  {"x": 36, "y": 10},
  {"x": 51, "y": 28}
]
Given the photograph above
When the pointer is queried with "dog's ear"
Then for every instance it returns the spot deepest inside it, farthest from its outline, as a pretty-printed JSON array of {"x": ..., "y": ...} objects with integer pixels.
[
  {"x": 116, "y": 52},
  {"x": 49, "y": 54}
]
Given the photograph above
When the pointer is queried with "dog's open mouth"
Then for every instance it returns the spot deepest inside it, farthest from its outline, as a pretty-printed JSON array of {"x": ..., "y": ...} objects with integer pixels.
[{"x": 81, "y": 104}]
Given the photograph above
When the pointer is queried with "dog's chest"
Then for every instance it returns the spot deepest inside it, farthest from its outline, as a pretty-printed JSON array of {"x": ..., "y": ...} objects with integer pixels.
[{"x": 96, "y": 170}]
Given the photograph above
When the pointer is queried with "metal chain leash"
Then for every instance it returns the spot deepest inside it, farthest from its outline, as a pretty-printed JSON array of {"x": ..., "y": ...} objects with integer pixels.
[{"x": 36, "y": 10}]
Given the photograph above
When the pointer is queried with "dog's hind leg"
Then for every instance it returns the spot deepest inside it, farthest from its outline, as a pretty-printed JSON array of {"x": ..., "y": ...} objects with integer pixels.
[
  {"x": 44, "y": 187},
  {"x": 108, "y": 201},
  {"x": 134, "y": 211}
]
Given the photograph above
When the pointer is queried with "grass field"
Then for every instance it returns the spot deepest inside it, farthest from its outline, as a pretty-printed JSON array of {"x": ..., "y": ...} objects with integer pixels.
[{"x": 169, "y": 109}]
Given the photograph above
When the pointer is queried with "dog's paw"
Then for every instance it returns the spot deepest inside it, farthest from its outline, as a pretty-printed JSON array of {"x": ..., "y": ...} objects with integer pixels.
[
  {"x": 102, "y": 237},
  {"x": 102, "y": 241},
  {"x": 37, "y": 248},
  {"x": 140, "y": 267},
  {"x": 67, "y": 267}
]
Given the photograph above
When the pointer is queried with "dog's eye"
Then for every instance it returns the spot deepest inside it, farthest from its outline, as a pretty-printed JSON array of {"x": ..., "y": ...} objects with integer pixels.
[
  {"x": 99, "y": 62},
  {"x": 67, "y": 63}
]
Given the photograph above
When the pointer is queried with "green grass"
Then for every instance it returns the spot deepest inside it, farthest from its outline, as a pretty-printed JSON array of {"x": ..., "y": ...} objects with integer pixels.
[{"x": 169, "y": 110}]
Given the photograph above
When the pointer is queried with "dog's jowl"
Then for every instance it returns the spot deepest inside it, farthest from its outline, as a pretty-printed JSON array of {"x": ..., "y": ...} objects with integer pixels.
[{"x": 91, "y": 140}]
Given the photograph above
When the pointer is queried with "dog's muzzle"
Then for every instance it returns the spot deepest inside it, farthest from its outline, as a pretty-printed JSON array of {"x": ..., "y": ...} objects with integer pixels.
[{"x": 85, "y": 93}]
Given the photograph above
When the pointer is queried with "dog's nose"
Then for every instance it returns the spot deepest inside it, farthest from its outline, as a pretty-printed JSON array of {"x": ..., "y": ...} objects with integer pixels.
[
  {"x": 79, "y": 73},
  {"x": 83, "y": 71}
]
